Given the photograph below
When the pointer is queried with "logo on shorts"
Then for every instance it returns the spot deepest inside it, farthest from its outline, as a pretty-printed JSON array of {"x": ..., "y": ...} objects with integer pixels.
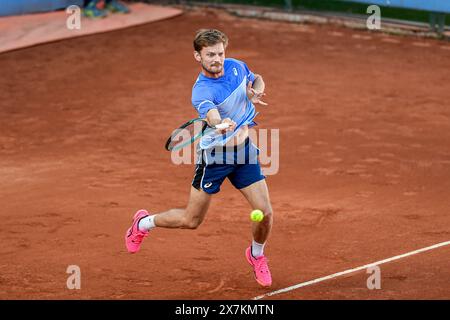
[{"x": 207, "y": 185}]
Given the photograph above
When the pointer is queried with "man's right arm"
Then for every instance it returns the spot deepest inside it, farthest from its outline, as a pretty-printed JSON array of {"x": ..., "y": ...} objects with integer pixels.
[{"x": 213, "y": 118}]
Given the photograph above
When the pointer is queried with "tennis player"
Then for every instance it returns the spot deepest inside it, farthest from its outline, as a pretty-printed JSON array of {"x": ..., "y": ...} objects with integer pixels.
[{"x": 224, "y": 92}]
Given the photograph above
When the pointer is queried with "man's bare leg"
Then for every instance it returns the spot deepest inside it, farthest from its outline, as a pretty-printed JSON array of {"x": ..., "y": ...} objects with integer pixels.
[
  {"x": 190, "y": 217},
  {"x": 257, "y": 195}
]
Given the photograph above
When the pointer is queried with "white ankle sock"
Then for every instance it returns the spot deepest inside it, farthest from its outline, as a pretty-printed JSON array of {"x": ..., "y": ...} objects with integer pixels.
[
  {"x": 147, "y": 223},
  {"x": 257, "y": 249}
]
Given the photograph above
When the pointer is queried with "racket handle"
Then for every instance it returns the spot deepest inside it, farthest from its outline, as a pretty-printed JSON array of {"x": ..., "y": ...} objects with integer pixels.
[{"x": 222, "y": 125}]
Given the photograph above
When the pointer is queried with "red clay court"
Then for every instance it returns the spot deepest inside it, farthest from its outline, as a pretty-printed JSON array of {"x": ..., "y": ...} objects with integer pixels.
[{"x": 364, "y": 172}]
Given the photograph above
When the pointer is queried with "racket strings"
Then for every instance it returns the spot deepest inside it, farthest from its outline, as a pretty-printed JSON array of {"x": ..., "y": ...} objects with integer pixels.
[{"x": 187, "y": 134}]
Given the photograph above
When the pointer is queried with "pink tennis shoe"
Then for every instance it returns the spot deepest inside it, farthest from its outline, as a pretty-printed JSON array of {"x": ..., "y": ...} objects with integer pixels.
[
  {"x": 260, "y": 268},
  {"x": 134, "y": 237}
]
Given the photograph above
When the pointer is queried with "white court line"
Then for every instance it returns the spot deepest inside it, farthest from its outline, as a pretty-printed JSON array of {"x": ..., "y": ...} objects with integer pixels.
[{"x": 304, "y": 284}]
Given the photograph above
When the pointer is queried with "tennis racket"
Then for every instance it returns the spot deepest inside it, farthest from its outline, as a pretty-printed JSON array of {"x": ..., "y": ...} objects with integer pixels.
[{"x": 191, "y": 131}]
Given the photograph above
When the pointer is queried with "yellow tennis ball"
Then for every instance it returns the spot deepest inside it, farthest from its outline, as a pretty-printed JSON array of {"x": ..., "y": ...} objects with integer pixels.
[{"x": 257, "y": 215}]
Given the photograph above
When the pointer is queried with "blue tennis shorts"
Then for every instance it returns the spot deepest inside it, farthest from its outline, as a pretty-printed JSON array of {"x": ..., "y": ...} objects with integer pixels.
[{"x": 239, "y": 164}]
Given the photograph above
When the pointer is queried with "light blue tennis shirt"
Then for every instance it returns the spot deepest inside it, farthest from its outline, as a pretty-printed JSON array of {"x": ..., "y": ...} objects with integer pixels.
[{"x": 228, "y": 94}]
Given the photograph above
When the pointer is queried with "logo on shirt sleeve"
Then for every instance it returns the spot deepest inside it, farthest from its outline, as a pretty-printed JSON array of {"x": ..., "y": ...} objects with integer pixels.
[{"x": 235, "y": 72}]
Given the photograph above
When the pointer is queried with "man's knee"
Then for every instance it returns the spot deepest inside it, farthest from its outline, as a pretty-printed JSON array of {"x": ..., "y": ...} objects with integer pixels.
[
  {"x": 192, "y": 223},
  {"x": 268, "y": 214}
]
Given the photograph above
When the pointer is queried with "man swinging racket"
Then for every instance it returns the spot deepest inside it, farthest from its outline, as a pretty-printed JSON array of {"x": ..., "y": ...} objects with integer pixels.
[{"x": 224, "y": 96}]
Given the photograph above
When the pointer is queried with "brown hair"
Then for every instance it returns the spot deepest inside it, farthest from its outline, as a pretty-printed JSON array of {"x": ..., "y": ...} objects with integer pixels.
[{"x": 209, "y": 37}]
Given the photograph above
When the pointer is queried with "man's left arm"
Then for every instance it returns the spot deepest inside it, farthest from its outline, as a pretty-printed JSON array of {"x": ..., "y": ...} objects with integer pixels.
[
  {"x": 255, "y": 90},
  {"x": 258, "y": 84}
]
